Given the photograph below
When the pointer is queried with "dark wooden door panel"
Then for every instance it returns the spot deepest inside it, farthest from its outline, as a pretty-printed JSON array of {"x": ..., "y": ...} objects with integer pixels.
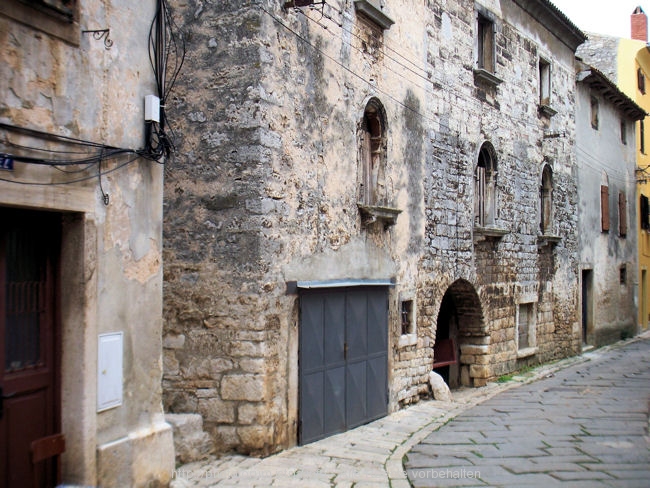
[{"x": 29, "y": 243}]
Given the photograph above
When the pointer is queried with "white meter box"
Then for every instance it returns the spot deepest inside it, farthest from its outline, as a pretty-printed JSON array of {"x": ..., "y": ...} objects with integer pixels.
[{"x": 110, "y": 352}]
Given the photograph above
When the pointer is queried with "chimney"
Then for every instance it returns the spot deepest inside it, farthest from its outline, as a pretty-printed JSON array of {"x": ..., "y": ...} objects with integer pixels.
[{"x": 639, "y": 24}]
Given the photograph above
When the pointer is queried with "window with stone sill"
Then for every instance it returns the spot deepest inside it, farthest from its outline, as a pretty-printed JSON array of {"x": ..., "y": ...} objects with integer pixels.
[
  {"x": 58, "y": 18},
  {"x": 485, "y": 50},
  {"x": 526, "y": 330},
  {"x": 546, "y": 201},
  {"x": 545, "y": 88},
  {"x": 485, "y": 187},
  {"x": 374, "y": 11},
  {"x": 408, "y": 336},
  {"x": 374, "y": 201}
]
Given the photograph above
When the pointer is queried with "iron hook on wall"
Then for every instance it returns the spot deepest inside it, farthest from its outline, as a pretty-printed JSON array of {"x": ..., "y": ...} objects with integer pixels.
[{"x": 99, "y": 34}]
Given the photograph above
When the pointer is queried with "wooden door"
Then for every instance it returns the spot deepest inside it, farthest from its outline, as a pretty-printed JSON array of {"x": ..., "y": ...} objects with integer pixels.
[{"x": 29, "y": 405}]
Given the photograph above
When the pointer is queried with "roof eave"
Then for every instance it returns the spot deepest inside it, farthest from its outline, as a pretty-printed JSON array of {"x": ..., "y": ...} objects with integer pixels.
[{"x": 555, "y": 21}]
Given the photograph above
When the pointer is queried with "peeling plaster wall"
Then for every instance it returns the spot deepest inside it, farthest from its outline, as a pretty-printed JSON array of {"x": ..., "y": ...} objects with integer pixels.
[
  {"x": 604, "y": 159},
  {"x": 264, "y": 191},
  {"x": 111, "y": 263}
]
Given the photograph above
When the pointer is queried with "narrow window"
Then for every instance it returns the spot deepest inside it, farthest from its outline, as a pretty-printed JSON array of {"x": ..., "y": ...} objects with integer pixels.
[
  {"x": 623, "y": 132},
  {"x": 645, "y": 212},
  {"x": 622, "y": 214},
  {"x": 546, "y": 204},
  {"x": 594, "y": 112},
  {"x": 642, "y": 136},
  {"x": 408, "y": 322},
  {"x": 372, "y": 155},
  {"x": 604, "y": 208},
  {"x": 485, "y": 40},
  {"x": 622, "y": 274},
  {"x": 640, "y": 79},
  {"x": 544, "y": 82},
  {"x": 485, "y": 187}
]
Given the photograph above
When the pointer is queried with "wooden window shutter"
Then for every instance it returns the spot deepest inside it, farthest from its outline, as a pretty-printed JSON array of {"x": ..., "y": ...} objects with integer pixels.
[
  {"x": 604, "y": 207},
  {"x": 622, "y": 214}
]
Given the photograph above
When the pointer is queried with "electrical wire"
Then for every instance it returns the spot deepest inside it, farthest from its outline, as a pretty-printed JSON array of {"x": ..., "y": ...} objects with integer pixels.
[
  {"x": 434, "y": 81},
  {"x": 77, "y": 180},
  {"x": 166, "y": 49}
]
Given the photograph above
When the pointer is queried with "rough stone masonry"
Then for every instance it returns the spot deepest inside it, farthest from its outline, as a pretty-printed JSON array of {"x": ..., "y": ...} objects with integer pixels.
[{"x": 325, "y": 144}]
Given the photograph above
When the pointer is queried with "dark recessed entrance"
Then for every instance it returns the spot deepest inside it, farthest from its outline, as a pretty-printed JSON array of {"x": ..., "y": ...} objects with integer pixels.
[{"x": 459, "y": 326}]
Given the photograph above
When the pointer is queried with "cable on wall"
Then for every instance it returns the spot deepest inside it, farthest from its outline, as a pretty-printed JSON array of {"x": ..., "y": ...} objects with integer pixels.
[{"x": 166, "y": 54}]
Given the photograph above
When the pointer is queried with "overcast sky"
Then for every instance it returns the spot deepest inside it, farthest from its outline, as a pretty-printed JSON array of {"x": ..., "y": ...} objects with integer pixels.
[{"x": 610, "y": 17}]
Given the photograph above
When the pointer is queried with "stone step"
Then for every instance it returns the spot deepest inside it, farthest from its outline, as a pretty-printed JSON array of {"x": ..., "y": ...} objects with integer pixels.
[{"x": 191, "y": 443}]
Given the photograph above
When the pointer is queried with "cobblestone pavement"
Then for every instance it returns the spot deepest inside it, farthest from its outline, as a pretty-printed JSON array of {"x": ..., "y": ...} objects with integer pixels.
[
  {"x": 371, "y": 455},
  {"x": 587, "y": 425}
]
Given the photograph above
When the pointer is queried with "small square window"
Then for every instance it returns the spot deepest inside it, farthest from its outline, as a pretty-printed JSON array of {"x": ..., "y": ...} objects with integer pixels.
[{"x": 407, "y": 317}]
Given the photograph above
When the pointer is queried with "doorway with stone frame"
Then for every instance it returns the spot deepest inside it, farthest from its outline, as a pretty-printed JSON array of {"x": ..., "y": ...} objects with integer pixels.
[{"x": 460, "y": 336}]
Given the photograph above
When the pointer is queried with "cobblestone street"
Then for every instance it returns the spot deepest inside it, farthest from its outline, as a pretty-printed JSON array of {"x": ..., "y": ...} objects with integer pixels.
[
  {"x": 586, "y": 425},
  {"x": 582, "y": 421}
]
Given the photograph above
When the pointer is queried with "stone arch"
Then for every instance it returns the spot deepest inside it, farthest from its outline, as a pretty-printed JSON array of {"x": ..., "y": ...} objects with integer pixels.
[{"x": 460, "y": 318}]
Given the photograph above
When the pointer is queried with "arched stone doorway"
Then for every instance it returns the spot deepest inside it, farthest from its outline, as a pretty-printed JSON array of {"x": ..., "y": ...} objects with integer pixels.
[{"x": 460, "y": 319}]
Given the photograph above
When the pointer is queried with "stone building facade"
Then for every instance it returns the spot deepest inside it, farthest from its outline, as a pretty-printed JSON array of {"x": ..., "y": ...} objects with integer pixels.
[
  {"x": 606, "y": 163},
  {"x": 80, "y": 248},
  {"x": 358, "y": 184}
]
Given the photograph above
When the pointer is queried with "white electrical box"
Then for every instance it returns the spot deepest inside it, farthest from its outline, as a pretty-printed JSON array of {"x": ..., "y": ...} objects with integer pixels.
[
  {"x": 109, "y": 370},
  {"x": 152, "y": 108}
]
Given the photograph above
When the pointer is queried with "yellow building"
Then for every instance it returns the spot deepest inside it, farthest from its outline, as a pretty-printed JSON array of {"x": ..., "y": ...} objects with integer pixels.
[{"x": 633, "y": 69}]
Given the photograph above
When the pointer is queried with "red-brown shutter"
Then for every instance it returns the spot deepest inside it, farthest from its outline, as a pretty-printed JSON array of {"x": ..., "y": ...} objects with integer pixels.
[{"x": 604, "y": 208}]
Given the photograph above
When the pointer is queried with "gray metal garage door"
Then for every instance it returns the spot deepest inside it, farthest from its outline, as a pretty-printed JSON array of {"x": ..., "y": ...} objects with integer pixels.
[{"x": 343, "y": 359}]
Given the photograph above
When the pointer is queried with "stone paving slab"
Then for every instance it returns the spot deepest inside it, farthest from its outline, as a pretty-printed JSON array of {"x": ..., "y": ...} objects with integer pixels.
[
  {"x": 371, "y": 455},
  {"x": 587, "y": 425}
]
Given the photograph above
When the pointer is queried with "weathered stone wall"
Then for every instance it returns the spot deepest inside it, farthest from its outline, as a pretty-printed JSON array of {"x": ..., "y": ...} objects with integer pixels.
[{"x": 264, "y": 191}]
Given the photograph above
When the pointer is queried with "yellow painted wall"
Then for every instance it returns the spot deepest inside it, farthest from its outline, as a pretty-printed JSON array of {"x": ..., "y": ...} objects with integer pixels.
[{"x": 633, "y": 55}]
